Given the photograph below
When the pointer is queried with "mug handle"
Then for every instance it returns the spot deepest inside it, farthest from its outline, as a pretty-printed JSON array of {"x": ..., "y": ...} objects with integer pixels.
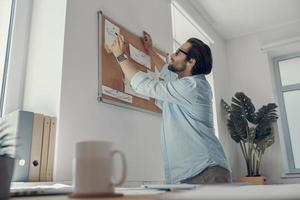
[{"x": 124, "y": 168}]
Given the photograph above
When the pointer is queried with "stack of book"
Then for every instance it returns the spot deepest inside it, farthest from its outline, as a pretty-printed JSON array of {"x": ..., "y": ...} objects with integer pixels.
[{"x": 35, "y": 141}]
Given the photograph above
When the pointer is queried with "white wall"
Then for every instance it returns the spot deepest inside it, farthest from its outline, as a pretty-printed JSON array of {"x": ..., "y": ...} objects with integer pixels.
[
  {"x": 81, "y": 116},
  {"x": 251, "y": 71},
  {"x": 45, "y": 54}
]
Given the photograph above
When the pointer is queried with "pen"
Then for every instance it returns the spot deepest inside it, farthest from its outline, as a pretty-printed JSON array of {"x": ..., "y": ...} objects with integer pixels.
[{"x": 124, "y": 38}]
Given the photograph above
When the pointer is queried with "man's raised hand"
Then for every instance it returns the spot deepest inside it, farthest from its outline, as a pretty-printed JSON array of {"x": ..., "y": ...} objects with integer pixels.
[{"x": 147, "y": 41}]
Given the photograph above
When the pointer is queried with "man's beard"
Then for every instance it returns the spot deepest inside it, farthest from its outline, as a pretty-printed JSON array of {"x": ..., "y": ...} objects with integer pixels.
[{"x": 176, "y": 69}]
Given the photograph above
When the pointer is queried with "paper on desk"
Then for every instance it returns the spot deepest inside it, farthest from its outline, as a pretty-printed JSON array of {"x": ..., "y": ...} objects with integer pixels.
[
  {"x": 170, "y": 187},
  {"x": 140, "y": 57},
  {"x": 33, "y": 188},
  {"x": 116, "y": 94},
  {"x": 110, "y": 32},
  {"x": 137, "y": 191}
]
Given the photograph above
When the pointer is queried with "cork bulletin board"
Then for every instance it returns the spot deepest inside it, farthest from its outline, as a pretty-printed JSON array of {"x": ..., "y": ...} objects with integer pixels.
[{"x": 113, "y": 88}]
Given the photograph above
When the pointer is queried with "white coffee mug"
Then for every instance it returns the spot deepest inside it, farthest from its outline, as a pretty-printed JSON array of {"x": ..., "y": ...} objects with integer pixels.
[{"x": 92, "y": 168}]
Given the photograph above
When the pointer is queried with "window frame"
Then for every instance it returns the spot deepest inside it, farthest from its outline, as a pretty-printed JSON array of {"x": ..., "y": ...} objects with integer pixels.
[
  {"x": 16, "y": 70},
  {"x": 280, "y": 89},
  {"x": 207, "y": 40},
  {"x": 7, "y": 55}
]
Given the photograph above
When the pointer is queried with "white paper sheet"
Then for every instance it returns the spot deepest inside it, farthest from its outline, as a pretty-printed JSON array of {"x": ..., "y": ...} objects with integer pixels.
[
  {"x": 39, "y": 188},
  {"x": 140, "y": 57},
  {"x": 138, "y": 191},
  {"x": 116, "y": 94},
  {"x": 169, "y": 187},
  {"x": 128, "y": 89},
  {"x": 110, "y": 32}
]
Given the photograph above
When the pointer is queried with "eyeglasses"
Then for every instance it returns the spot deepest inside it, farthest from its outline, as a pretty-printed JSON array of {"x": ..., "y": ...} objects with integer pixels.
[{"x": 180, "y": 50}]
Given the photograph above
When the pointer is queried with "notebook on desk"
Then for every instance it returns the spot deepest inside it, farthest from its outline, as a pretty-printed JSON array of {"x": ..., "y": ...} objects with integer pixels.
[
  {"x": 39, "y": 188},
  {"x": 170, "y": 187},
  {"x": 64, "y": 188}
]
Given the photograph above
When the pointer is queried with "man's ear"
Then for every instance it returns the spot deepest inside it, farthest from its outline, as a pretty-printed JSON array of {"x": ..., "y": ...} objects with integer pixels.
[{"x": 192, "y": 62}]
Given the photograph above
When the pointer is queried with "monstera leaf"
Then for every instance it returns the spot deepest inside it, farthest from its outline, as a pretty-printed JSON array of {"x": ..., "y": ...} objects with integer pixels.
[
  {"x": 240, "y": 125},
  {"x": 234, "y": 131},
  {"x": 269, "y": 110},
  {"x": 226, "y": 107},
  {"x": 265, "y": 142},
  {"x": 7, "y": 141},
  {"x": 265, "y": 117},
  {"x": 246, "y": 107},
  {"x": 237, "y": 123}
]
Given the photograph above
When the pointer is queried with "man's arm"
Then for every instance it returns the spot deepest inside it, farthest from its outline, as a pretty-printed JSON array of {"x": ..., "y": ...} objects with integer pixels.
[
  {"x": 147, "y": 42},
  {"x": 172, "y": 91},
  {"x": 158, "y": 61},
  {"x": 129, "y": 68}
]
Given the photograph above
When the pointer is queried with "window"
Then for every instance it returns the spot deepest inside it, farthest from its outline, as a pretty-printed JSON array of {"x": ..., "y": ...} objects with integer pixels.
[
  {"x": 6, "y": 19},
  {"x": 287, "y": 70},
  {"x": 184, "y": 27}
]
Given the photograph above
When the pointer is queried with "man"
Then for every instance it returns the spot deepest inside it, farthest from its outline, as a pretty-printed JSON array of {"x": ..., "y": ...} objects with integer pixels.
[{"x": 191, "y": 151}]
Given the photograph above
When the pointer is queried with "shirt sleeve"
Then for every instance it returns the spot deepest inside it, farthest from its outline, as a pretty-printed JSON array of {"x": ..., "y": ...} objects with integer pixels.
[
  {"x": 176, "y": 91},
  {"x": 167, "y": 75}
]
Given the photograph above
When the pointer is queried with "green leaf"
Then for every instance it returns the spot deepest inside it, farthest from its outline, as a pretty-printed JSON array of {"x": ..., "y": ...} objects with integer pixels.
[
  {"x": 226, "y": 106},
  {"x": 265, "y": 117},
  {"x": 7, "y": 140},
  {"x": 237, "y": 126},
  {"x": 265, "y": 142},
  {"x": 245, "y": 105}
]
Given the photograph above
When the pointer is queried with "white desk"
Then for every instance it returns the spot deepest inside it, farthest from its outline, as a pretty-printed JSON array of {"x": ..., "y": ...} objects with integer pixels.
[{"x": 232, "y": 192}]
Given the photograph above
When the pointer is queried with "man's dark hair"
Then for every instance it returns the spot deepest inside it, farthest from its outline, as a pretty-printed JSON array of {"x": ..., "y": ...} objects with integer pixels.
[{"x": 202, "y": 54}]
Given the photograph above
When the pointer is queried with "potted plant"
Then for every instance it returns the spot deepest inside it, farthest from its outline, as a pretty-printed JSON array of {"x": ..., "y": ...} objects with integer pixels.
[
  {"x": 7, "y": 149},
  {"x": 253, "y": 131}
]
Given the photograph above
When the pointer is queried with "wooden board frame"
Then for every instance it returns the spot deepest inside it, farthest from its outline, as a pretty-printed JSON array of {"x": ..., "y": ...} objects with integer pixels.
[{"x": 105, "y": 59}]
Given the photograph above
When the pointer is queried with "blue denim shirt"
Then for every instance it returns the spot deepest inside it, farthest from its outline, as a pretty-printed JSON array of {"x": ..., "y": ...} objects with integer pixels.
[{"x": 189, "y": 144}]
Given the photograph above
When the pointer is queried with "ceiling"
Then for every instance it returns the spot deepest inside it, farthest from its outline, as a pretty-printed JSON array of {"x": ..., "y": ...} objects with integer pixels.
[{"x": 234, "y": 18}]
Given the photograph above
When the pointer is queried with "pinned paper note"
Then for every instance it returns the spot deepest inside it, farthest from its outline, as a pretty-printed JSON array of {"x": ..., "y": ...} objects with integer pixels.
[
  {"x": 129, "y": 90},
  {"x": 111, "y": 32},
  {"x": 116, "y": 94},
  {"x": 140, "y": 57}
]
